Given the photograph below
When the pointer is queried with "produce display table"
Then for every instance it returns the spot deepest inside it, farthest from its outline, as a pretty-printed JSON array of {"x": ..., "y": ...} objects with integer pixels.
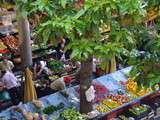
[{"x": 111, "y": 82}]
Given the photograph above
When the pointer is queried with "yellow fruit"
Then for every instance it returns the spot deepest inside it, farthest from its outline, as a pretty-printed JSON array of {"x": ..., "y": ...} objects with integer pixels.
[
  {"x": 131, "y": 85},
  {"x": 101, "y": 108}
]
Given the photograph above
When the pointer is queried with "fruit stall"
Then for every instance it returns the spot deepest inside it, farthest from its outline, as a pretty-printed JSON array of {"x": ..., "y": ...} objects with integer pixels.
[{"x": 114, "y": 94}]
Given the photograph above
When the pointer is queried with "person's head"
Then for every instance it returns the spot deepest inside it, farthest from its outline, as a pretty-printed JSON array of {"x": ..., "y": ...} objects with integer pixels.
[{"x": 38, "y": 64}]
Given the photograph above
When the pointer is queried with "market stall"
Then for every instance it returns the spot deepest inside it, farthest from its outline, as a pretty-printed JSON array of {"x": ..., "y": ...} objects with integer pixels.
[{"x": 111, "y": 99}]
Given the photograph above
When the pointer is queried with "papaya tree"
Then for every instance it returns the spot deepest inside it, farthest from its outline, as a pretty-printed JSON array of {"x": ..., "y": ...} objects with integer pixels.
[{"x": 80, "y": 22}]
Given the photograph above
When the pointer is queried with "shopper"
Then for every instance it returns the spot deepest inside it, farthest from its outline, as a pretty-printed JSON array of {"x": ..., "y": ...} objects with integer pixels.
[{"x": 11, "y": 83}]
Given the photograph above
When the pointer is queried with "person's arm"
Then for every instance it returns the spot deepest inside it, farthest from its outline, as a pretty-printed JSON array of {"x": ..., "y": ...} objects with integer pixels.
[
  {"x": 35, "y": 69},
  {"x": 3, "y": 81},
  {"x": 11, "y": 65},
  {"x": 40, "y": 71}
]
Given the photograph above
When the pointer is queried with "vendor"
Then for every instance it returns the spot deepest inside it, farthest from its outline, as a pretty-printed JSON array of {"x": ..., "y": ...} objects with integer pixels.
[
  {"x": 41, "y": 67},
  {"x": 6, "y": 65},
  {"x": 61, "y": 54},
  {"x": 11, "y": 84},
  {"x": 60, "y": 48}
]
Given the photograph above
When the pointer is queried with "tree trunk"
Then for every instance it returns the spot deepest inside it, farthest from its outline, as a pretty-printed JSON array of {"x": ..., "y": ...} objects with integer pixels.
[
  {"x": 24, "y": 37},
  {"x": 85, "y": 83}
]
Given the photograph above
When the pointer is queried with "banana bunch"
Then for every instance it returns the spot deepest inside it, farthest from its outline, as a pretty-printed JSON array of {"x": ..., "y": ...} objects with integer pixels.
[
  {"x": 53, "y": 77},
  {"x": 29, "y": 89},
  {"x": 144, "y": 91},
  {"x": 131, "y": 86}
]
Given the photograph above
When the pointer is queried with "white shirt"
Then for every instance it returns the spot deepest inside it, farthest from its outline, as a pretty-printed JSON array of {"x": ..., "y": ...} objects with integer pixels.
[
  {"x": 9, "y": 80},
  {"x": 43, "y": 64}
]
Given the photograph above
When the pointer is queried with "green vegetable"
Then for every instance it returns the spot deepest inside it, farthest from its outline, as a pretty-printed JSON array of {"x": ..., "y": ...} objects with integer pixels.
[
  {"x": 50, "y": 109},
  {"x": 56, "y": 66},
  {"x": 72, "y": 114},
  {"x": 138, "y": 110}
]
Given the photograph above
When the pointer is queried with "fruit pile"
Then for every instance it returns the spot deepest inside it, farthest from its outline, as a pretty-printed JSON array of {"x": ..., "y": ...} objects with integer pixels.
[
  {"x": 53, "y": 77},
  {"x": 120, "y": 99},
  {"x": 102, "y": 108},
  {"x": 11, "y": 41},
  {"x": 143, "y": 91},
  {"x": 111, "y": 104},
  {"x": 132, "y": 87}
]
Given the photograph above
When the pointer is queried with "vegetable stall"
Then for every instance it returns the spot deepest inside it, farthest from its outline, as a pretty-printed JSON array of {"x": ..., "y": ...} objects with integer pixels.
[{"x": 115, "y": 97}]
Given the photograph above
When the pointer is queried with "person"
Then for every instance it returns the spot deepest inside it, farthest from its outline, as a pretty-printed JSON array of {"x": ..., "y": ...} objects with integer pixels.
[
  {"x": 11, "y": 84},
  {"x": 61, "y": 54},
  {"x": 60, "y": 48},
  {"x": 41, "y": 67},
  {"x": 6, "y": 65}
]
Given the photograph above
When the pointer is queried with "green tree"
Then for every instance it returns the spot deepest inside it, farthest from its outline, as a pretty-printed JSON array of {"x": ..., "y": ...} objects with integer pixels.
[
  {"x": 145, "y": 59},
  {"x": 80, "y": 22}
]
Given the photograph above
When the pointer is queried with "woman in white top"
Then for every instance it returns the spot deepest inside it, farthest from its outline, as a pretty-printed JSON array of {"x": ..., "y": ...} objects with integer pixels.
[{"x": 11, "y": 83}]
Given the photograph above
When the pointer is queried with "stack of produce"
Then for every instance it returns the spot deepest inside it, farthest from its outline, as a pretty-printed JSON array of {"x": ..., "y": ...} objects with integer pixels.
[
  {"x": 132, "y": 87},
  {"x": 29, "y": 115},
  {"x": 120, "y": 99},
  {"x": 112, "y": 101},
  {"x": 52, "y": 108},
  {"x": 102, "y": 108},
  {"x": 72, "y": 114},
  {"x": 53, "y": 77},
  {"x": 123, "y": 117},
  {"x": 11, "y": 41},
  {"x": 138, "y": 111},
  {"x": 56, "y": 66},
  {"x": 111, "y": 104}
]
